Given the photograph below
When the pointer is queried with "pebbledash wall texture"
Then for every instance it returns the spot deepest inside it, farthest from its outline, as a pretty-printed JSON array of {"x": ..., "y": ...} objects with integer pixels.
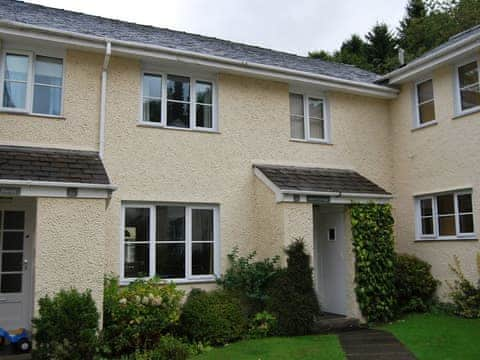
[{"x": 437, "y": 158}]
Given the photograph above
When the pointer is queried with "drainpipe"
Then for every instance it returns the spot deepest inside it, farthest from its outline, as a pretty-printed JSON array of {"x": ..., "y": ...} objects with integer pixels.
[{"x": 103, "y": 95}]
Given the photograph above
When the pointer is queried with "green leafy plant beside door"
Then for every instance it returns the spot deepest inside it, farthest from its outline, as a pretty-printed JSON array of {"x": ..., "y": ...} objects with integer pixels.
[{"x": 373, "y": 245}]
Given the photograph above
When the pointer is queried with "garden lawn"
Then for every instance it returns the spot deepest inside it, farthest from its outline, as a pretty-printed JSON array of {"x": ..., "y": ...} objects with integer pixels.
[
  {"x": 318, "y": 347},
  {"x": 438, "y": 336}
]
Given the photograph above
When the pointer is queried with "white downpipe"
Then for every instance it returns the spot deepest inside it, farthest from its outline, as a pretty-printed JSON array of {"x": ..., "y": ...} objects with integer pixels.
[{"x": 103, "y": 95}]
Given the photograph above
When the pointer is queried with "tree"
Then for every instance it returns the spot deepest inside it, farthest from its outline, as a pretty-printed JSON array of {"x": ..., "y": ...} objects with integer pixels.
[{"x": 380, "y": 49}]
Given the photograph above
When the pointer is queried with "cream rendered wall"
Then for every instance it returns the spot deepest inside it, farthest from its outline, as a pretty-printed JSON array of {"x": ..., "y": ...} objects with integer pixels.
[
  {"x": 69, "y": 246},
  {"x": 154, "y": 164},
  {"x": 440, "y": 157},
  {"x": 78, "y": 128}
]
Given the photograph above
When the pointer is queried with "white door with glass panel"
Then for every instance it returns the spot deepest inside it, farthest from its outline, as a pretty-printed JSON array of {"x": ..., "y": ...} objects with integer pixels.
[{"x": 15, "y": 292}]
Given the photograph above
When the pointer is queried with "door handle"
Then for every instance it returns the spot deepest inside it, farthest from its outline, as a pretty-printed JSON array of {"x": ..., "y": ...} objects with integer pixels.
[{"x": 25, "y": 264}]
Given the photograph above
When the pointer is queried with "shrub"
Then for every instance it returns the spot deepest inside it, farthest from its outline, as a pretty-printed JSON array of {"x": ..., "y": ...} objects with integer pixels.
[
  {"x": 137, "y": 315},
  {"x": 167, "y": 348},
  {"x": 292, "y": 298},
  {"x": 250, "y": 278},
  {"x": 66, "y": 327},
  {"x": 372, "y": 230},
  {"x": 262, "y": 324},
  {"x": 214, "y": 317},
  {"x": 414, "y": 284},
  {"x": 465, "y": 295}
]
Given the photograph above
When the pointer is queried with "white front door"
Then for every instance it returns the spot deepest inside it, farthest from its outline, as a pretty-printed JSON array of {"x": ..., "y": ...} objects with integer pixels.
[
  {"x": 329, "y": 230},
  {"x": 15, "y": 272}
]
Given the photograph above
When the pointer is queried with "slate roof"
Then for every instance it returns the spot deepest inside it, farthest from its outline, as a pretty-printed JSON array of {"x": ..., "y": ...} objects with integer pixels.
[
  {"x": 319, "y": 180},
  {"x": 42, "y": 164},
  {"x": 114, "y": 29}
]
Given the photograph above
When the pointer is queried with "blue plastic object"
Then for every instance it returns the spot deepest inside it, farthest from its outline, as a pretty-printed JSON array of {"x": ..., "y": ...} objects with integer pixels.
[{"x": 20, "y": 340}]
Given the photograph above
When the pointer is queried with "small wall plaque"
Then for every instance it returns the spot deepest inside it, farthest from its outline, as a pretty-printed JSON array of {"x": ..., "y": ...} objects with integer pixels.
[{"x": 9, "y": 191}]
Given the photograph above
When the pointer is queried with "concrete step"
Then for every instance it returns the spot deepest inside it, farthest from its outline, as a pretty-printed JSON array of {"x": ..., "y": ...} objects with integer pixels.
[{"x": 330, "y": 323}]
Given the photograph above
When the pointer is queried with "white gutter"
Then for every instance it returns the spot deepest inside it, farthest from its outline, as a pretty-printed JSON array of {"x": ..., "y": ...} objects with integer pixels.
[
  {"x": 58, "y": 184},
  {"x": 139, "y": 49},
  {"x": 424, "y": 63},
  {"x": 103, "y": 95},
  {"x": 337, "y": 194}
]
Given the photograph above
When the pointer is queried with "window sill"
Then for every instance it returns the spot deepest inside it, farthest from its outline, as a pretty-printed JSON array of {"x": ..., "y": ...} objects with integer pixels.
[
  {"x": 204, "y": 280},
  {"x": 467, "y": 113},
  {"x": 311, "y": 141},
  {"x": 29, "y": 114},
  {"x": 158, "y": 126},
  {"x": 426, "y": 125},
  {"x": 474, "y": 238}
]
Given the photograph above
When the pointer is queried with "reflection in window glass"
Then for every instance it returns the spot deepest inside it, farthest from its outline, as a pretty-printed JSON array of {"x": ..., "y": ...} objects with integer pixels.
[
  {"x": 425, "y": 102},
  {"x": 152, "y": 98},
  {"x": 469, "y": 85},
  {"x": 204, "y": 104},
  {"x": 297, "y": 126},
  {"x": 15, "y": 81},
  {"x": 47, "y": 93}
]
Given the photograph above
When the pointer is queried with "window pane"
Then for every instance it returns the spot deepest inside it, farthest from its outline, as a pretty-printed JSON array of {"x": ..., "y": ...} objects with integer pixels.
[
  {"x": 464, "y": 203},
  {"x": 16, "y": 67},
  {"x": 446, "y": 225},
  {"x": 178, "y": 88},
  {"x": 315, "y": 108},
  {"x": 14, "y": 95},
  {"x": 470, "y": 97},
  {"x": 11, "y": 283},
  {"x": 296, "y": 104},
  {"x": 170, "y": 223},
  {"x": 468, "y": 74},
  {"x": 204, "y": 92},
  {"x": 152, "y": 110},
  {"x": 297, "y": 127},
  {"x": 427, "y": 226},
  {"x": 152, "y": 85},
  {"x": 466, "y": 223},
  {"x": 137, "y": 224},
  {"x": 426, "y": 207},
  {"x": 425, "y": 91},
  {"x": 178, "y": 114},
  {"x": 202, "y": 259},
  {"x": 12, "y": 240},
  {"x": 445, "y": 204},
  {"x": 170, "y": 261},
  {"x": 14, "y": 220},
  {"x": 204, "y": 116},
  {"x": 316, "y": 129},
  {"x": 202, "y": 225},
  {"x": 426, "y": 112},
  {"x": 137, "y": 260},
  {"x": 48, "y": 71},
  {"x": 47, "y": 100},
  {"x": 12, "y": 261}
]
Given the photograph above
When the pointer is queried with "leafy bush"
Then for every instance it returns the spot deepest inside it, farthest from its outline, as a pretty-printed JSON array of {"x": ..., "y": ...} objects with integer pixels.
[
  {"x": 66, "y": 327},
  {"x": 262, "y": 325},
  {"x": 372, "y": 230},
  {"x": 465, "y": 295},
  {"x": 214, "y": 317},
  {"x": 250, "y": 278},
  {"x": 292, "y": 298},
  {"x": 137, "y": 315},
  {"x": 167, "y": 348},
  {"x": 414, "y": 284}
]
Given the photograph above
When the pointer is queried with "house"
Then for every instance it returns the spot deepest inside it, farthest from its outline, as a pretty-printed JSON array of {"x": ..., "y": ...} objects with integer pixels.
[{"x": 142, "y": 151}]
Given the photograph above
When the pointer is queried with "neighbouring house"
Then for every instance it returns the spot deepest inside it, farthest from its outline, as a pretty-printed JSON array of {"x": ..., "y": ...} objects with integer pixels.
[{"x": 142, "y": 151}]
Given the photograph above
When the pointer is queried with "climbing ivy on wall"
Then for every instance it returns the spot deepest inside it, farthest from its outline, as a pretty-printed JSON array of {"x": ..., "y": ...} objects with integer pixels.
[{"x": 372, "y": 230}]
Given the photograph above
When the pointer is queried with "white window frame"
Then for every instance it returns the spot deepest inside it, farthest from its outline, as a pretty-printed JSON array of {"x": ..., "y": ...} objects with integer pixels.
[
  {"x": 436, "y": 236},
  {"x": 458, "y": 99},
  {"x": 30, "y": 82},
  {"x": 306, "y": 96},
  {"x": 192, "y": 102},
  {"x": 417, "y": 124},
  {"x": 189, "y": 277}
]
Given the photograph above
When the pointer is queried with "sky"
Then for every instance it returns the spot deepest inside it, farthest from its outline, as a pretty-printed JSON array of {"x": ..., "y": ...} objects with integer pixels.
[{"x": 296, "y": 26}]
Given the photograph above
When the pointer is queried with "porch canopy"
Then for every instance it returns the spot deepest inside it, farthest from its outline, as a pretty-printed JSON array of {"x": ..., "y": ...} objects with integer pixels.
[
  {"x": 36, "y": 171},
  {"x": 319, "y": 185}
]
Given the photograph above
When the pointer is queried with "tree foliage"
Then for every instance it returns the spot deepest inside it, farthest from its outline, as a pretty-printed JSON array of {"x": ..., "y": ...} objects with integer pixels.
[{"x": 426, "y": 24}]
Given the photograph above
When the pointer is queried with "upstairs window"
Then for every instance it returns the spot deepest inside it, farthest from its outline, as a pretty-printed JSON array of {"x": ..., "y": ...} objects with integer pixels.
[
  {"x": 32, "y": 84},
  {"x": 425, "y": 103},
  {"x": 178, "y": 102},
  {"x": 307, "y": 118},
  {"x": 446, "y": 216},
  {"x": 468, "y": 86}
]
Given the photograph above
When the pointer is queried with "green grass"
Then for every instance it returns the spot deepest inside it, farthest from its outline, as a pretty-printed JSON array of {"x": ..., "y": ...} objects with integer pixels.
[
  {"x": 438, "y": 336},
  {"x": 318, "y": 347}
]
